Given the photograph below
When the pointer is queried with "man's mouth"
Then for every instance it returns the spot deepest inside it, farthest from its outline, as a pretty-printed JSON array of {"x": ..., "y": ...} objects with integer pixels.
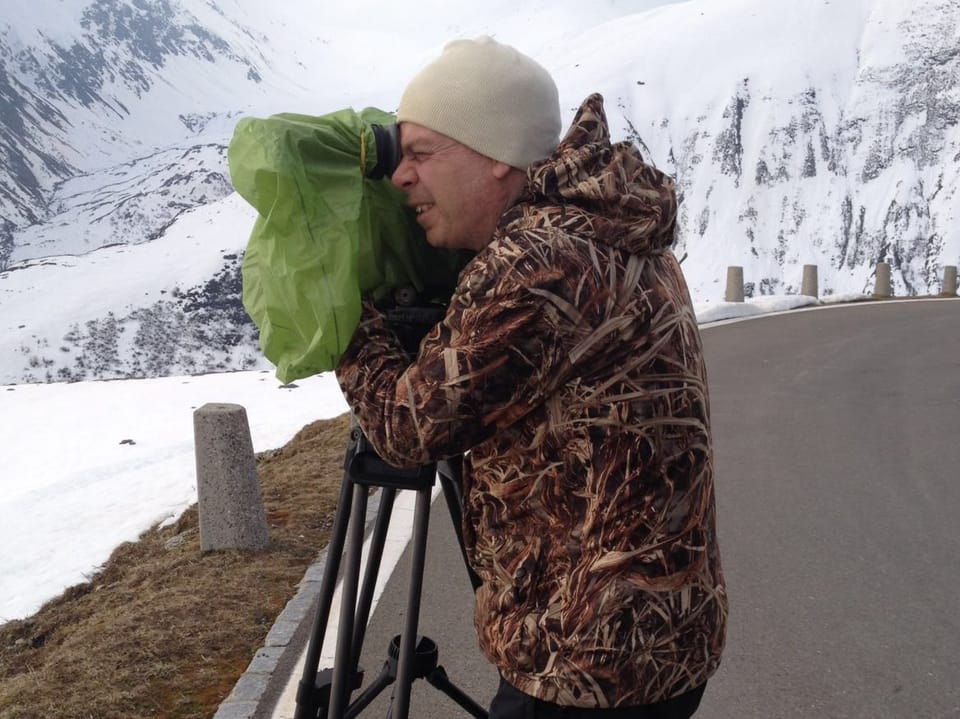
[{"x": 420, "y": 209}]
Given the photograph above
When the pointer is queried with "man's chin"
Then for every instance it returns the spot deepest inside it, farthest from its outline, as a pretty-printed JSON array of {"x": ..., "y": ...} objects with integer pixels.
[{"x": 435, "y": 239}]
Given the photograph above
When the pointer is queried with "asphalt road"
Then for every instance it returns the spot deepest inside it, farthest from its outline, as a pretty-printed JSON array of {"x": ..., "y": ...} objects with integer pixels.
[{"x": 838, "y": 485}]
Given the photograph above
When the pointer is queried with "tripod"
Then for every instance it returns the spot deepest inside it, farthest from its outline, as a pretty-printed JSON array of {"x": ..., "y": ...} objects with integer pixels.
[{"x": 327, "y": 694}]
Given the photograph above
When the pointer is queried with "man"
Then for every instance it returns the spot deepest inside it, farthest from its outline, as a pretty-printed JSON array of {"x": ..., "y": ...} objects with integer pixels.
[{"x": 568, "y": 370}]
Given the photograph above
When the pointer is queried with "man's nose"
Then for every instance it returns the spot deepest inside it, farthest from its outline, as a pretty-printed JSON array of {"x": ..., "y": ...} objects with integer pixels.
[{"x": 404, "y": 177}]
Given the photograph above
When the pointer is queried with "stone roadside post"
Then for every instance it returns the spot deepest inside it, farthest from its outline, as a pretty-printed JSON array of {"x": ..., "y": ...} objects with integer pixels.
[
  {"x": 810, "y": 285},
  {"x": 949, "y": 287},
  {"x": 882, "y": 286},
  {"x": 734, "y": 292},
  {"x": 229, "y": 502}
]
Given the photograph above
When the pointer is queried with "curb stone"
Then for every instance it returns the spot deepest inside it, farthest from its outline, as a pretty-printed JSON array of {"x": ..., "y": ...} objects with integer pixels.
[{"x": 259, "y": 687}]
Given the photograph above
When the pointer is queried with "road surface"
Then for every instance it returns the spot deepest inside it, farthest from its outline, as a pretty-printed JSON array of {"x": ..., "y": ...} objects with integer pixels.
[{"x": 837, "y": 438}]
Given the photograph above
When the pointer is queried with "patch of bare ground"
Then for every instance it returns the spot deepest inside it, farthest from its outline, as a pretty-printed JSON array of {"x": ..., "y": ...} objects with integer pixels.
[{"x": 163, "y": 630}]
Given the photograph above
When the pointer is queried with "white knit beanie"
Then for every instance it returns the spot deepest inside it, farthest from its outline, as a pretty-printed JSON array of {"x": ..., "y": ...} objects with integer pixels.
[{"x": 489, "y": 97}]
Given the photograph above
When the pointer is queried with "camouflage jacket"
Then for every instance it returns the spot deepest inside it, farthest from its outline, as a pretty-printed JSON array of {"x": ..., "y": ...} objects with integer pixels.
[{"x": 569, "y": 370}]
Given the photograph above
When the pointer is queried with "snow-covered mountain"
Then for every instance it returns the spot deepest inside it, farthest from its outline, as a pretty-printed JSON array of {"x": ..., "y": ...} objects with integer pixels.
[{"x": 820, "y": 132}]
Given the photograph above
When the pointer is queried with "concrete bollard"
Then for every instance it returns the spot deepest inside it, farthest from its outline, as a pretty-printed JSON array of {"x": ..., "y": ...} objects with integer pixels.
[
  {"x": 734, "y": 292},
  {"x": 229, "y": 501},
  {"x": 949, "y": 281},
  {"x": 810, "y": 285},
  {"x": 882, "y": 286}
]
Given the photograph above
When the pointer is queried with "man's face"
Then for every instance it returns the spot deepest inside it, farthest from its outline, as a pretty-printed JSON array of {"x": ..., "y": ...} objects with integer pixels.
[{"x": 458, "y": 194}]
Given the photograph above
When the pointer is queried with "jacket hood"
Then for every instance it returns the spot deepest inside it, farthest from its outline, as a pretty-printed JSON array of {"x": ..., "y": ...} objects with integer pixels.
[{"x": 606, "y": 190}]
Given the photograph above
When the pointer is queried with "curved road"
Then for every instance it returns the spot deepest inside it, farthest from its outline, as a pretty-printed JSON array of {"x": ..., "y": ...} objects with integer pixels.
[{"x": 837, "y": 435}]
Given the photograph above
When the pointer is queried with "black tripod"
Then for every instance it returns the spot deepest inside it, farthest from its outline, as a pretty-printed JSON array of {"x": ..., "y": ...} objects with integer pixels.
[{"x": 327, "y": 694}]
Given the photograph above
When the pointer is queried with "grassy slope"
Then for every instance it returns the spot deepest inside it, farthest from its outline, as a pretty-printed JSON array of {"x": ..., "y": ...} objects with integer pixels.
[{"x": 163, "y": 630}]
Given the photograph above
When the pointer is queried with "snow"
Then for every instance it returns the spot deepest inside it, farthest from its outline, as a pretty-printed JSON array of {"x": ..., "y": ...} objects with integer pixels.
[{"x": 72, "y": 490}]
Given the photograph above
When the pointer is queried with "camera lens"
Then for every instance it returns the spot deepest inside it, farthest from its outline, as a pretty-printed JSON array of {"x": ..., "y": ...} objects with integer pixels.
[{"x": 388, "y": 151}]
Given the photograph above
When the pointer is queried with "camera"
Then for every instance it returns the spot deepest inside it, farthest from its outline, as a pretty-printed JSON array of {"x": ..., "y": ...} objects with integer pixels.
[
  {"x": 388, "y": 150},
  {"x": 410, "y": 315}
]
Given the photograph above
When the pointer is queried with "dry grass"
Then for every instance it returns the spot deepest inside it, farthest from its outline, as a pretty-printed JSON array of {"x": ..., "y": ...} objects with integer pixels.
[{"x": 163, "y": 630}]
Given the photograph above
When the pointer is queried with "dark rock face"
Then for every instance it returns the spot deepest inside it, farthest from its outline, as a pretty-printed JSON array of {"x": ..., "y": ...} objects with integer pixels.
[{"x": 196, "y": 330}]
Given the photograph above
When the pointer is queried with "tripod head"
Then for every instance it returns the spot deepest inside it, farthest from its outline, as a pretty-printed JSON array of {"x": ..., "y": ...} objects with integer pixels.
[{"x": 366, "y": 468}]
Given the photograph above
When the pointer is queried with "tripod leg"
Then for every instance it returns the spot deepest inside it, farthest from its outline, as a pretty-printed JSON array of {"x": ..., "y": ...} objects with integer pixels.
[
  {"x": 400, "y": 707},
  {"x": 371, "y": 571},
  {"x": 308, "y": 702},
  {"x": 438, "y": 678},
  {"x": 339, "y": 691}
]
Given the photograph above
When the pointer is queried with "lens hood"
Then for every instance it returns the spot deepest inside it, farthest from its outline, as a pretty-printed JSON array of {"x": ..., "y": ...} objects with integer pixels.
[{"x": 388, "y": 151}]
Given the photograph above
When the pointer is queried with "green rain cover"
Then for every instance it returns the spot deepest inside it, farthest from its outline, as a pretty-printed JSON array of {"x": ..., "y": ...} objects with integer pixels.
[{"x": 325, "y": 234}]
